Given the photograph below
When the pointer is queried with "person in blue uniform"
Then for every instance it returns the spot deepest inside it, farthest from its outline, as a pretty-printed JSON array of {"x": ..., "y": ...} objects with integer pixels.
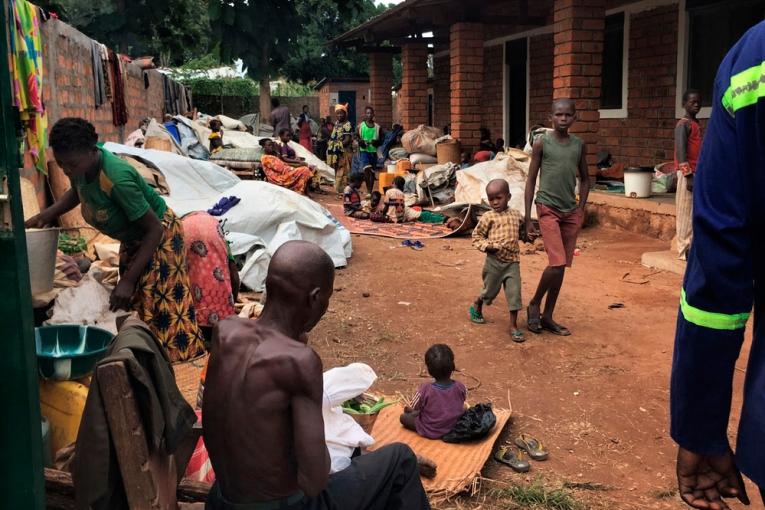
[{"x": 724, "y": 280}]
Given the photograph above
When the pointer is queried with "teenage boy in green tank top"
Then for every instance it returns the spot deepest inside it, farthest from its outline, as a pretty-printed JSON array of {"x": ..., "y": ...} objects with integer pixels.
[
  {"x": 370, "y": 136},
  {"x": 558, "y": 158}
]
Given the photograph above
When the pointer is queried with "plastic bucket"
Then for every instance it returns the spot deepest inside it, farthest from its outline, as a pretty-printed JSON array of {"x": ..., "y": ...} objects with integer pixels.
[
  {"x": 637, "y": 181},
  {"x": 448, "y": 152},
  {"x": 392, "y": 168},
  {"x": 42, "y": 244}
]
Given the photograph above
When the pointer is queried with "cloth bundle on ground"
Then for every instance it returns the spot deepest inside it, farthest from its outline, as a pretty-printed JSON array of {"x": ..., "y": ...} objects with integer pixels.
[
  {"x": 167, "y": 418},
  {"x": 421, "y": 140},
  {"x": 475, "y": 423},
  {"x": 231, "y": 124},
  {"x": 472, "y": 181},
  {"x": 341, "y": 432},
  {"x": 419, "y": 157},
  {"x": 245, "y": 154},
  {"x": 397, "y": 153},
  {"x": 157, "y": 132},
  {"x": 190, "y": 143},
  {"x": 258, "y": 128},
  {"x": 268, "y": 216}
]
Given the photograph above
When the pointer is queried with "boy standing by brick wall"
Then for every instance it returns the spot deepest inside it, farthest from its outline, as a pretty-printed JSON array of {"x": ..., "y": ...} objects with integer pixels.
[
  {"x": 687, "y": 149},
  {"x": 557, "y": 158}
]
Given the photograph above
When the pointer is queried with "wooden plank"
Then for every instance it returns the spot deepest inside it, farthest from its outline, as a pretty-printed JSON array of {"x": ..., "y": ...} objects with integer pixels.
[
  {"x": 128, "y": 436},
  {"x": 59, "y": 490}
]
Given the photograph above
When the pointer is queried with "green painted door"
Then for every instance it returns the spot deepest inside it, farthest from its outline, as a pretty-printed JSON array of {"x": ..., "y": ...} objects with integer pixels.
[{"x": 21, "y": 467}]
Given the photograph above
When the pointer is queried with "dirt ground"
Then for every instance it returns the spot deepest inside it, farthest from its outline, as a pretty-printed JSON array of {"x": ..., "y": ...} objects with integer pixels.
[{"x": 598, "y": 399}]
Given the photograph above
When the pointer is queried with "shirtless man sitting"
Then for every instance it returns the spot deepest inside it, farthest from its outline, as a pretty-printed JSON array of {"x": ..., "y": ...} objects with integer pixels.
[{"x": 262, "y": 416}]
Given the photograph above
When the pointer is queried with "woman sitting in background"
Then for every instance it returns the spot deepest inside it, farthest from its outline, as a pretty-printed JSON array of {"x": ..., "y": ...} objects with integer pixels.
[{"x": 280, "y": 173}]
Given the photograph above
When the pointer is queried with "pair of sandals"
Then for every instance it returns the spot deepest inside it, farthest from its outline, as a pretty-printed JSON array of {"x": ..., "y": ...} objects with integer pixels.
[
  {"x": 537, "y": 324},
  {"x": 515, "y": 455},
  {"x": 415, "y": 245},
  {"x": 477, "y": 318}
]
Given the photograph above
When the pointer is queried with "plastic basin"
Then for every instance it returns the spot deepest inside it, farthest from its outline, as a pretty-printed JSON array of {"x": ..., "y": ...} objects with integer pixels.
[{"x": 66, "y": 352}]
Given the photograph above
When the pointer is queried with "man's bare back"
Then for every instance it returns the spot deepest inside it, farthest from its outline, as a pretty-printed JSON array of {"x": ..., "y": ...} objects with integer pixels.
[
  {"x": 263, "y": 425},
  {"x": 255, "y": 375}
]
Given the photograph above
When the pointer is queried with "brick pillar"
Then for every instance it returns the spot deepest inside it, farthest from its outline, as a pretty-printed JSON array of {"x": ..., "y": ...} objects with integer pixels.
[
  {"x": 466, "y": 60},
  {"x": 442, "y": 112},
  {"x": 413, "y": 96},
  {"x": 578, "y": 58},
  {"x": 380, "y": 83}
]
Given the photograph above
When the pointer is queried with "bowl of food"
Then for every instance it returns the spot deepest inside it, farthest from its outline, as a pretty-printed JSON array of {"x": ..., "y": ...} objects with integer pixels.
[
  {"x": 364, "y": 409},
  {"x": 70, "y": 351}
]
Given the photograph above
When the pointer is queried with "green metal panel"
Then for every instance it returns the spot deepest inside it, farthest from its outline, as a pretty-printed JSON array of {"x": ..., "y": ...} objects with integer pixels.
[{"x": 21, "y": 473}]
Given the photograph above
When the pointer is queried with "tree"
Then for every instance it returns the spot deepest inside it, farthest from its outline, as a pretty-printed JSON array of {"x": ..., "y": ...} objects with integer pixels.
[
  {"x": 173, "y": 30},
  {"x": 311, "y": 59},
  {"x": 266, "y": 33}
]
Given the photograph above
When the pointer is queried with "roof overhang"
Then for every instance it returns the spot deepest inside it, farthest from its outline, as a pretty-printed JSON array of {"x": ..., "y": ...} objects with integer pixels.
[{"x": 411, "y": 19}]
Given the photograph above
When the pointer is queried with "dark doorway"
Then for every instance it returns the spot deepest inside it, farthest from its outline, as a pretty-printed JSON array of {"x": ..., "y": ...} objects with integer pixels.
[
  {"x": 516, "y": 54},
  {"x": 349, "y": 96}
]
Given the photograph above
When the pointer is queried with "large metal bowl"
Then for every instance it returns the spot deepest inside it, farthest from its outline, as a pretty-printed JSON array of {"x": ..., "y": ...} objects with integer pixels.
[{"x": 66, "y": 352}]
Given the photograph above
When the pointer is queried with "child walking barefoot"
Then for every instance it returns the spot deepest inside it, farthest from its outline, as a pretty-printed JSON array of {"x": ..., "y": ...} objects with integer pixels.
[{"x": 497, "y": 235}]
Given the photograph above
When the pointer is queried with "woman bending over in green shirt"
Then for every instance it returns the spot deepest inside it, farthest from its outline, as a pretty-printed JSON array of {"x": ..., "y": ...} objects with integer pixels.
[{"x": 117, "y": 202}]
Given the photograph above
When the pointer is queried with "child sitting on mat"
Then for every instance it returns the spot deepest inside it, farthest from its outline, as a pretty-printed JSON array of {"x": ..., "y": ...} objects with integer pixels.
[
  {"x": 436, "y": 406},
  {"x": 398, "y": 212}
]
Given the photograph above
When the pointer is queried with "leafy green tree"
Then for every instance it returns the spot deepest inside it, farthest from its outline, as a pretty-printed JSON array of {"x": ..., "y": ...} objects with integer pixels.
[
  {"x": 172, "y": 30},
  {"x": 311, "y": 59},
  {"x": 273, "y": 36}
]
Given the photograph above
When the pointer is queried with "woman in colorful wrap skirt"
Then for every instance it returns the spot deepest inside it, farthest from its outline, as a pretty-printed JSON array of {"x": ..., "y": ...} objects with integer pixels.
[{"x": 117, "y": 202}]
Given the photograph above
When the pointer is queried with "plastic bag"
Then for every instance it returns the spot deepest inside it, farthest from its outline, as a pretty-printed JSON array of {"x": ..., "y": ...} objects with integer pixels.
[
  {"x": 475, "y": 423},
  {"x": 422, "y": 139}
]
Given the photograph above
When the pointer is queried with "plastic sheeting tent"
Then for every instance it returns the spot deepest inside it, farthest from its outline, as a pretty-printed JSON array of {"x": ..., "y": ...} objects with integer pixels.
[{"x": 267, "y": 217}]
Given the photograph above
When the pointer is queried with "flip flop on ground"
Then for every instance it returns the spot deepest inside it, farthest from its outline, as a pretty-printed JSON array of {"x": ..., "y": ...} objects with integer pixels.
[
  {"x": 511, "y": 457},
  {"x": 534, "y": 320},
  {"x": 517, "y": 336},
  {"x": 476, "y": 316},
  {"x": 555, "y": 328},
  {"x": 532, "y": 446}
]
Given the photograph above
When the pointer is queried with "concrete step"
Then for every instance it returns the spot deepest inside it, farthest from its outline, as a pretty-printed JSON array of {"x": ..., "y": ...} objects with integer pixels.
[{"x": 664, "y": 260}]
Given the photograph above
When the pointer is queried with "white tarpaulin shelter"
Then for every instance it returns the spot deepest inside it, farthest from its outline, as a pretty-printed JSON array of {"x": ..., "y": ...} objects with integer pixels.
[
  {"x": 472, "y": 181},
  {"x": 244, "y": 140},
  {"x": 267, "y": 217}
]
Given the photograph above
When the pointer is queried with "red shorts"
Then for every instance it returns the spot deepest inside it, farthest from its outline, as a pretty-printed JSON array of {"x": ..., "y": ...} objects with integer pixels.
[{"x": 559, "y": 231}]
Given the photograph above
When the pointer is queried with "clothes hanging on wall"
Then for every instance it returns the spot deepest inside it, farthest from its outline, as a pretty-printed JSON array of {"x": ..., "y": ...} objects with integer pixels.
[
  {"x": 27, "y": 75},
  {"x": 99, "y": 84},
  {"x": 119, "y": 107}
]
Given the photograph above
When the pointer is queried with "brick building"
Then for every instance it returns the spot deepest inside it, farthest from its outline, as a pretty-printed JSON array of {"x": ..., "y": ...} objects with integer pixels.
[
  {"x": 354, "y": 91},
  {"x": 498, "y": 64}
]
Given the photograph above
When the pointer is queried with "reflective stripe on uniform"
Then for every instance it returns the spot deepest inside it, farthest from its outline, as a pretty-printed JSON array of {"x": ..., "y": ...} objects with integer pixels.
[
  {"x": 746, "y": 88},
  {"x": 711, "y": 320}
]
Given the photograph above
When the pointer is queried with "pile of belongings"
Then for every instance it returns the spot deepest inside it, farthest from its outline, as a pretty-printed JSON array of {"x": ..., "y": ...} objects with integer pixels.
[
  {"x": 420, "y": 144},
  {"x": 267, "y": 217}
]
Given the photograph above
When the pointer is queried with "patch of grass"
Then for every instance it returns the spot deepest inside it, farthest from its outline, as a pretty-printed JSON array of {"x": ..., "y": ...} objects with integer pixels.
[
  {"x": 537, "y": 495},
  {"x": 664, "y": 494}
]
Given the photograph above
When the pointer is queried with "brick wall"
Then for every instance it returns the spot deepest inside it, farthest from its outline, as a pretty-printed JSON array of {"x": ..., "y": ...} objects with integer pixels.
[
  {"x": 466, "y": 53},
  {"x": 540, "y": 79},
  {"x": 362, "y": 98},
  {"x": 646, "y": 136},
  {"x": 68, "y": 92},
  {"x": 442, "y": 111},
  {"x": 491, "y": 98},
  {"x": 413, "y": 96},
  {"x": 68, "y": 84},
  {"x": 380, "y": 84},
  {"x": 578, "y": 57}
]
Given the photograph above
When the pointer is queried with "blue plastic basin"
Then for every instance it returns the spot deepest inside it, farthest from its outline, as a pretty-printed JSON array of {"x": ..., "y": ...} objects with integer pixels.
[{"x": 66, "y": 352}]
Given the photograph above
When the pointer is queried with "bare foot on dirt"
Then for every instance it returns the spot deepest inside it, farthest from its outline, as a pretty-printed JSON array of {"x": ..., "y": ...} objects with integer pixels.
[{"x": 427, "y": 467}]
